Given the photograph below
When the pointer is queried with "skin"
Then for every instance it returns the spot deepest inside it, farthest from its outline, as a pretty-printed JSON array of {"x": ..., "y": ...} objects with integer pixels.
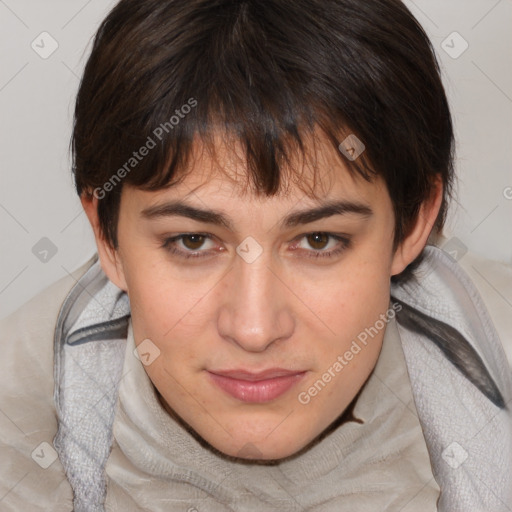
[{"x": 287, "y": 309}]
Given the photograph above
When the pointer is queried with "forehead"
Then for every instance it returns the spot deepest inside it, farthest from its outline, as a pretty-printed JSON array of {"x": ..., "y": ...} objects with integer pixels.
[
  {"x": 218, "y": 169},
  {"x": 216, "y": 189}
]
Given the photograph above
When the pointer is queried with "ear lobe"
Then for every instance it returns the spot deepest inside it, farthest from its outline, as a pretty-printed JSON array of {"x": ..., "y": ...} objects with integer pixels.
[
  {"x": 109, "y": 257},
  {"x": 414, "y": 242}
]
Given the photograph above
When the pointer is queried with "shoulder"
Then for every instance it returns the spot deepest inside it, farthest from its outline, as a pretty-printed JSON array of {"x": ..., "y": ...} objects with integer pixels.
[
  {"x": 493, "y": 281},
  {"x": 28, "y": 422},
  {"x": 26, "y": 335}
]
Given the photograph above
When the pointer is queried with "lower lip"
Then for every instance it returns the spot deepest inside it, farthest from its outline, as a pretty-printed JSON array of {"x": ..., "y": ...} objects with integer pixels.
[{"x": 256, "y": 391}]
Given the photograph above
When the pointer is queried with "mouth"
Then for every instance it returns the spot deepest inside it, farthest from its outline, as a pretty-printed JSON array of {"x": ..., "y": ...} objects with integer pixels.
[{"x": 255, "y": 387}]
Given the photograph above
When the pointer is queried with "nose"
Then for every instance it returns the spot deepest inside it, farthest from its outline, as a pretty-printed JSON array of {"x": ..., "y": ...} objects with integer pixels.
[{"x": 255, "y": 307}]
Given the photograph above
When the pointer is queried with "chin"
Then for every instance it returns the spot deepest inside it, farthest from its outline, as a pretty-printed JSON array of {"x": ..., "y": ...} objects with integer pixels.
[
  {"x": 251, "y": 448},
  {"x": 259, "y": 437},
  {"x": 276, "y": 444},
  {"x": 261, "y": 453}
]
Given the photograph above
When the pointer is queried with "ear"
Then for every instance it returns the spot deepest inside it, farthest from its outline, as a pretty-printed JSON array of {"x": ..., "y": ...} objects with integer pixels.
[
  {"x": 414, "y": 242},
  {"x": 109, "y": 257}
]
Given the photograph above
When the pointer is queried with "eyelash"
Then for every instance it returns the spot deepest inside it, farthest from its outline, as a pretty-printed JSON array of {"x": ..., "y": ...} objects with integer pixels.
[{"x": 344, "y": 243}]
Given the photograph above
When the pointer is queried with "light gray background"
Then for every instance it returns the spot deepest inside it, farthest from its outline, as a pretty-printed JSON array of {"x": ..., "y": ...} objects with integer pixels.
[{"x": 37, "y": 198}]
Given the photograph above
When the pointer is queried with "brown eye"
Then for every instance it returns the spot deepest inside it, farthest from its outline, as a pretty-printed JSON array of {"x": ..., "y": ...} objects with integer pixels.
[
  {"x": 193, "y": 242},
  {"x": 321, "y": 244},
  {"x": 318, "y": 240}
]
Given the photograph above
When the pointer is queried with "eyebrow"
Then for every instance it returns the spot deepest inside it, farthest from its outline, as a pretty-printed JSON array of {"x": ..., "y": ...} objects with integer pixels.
[{"x": 328, "y": 209}]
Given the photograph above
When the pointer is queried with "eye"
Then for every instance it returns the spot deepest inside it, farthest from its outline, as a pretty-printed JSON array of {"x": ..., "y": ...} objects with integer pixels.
[
  {"x": 193, "y": 241},
  {"x": 318, "y": 240},
  {"x": 323, "y": 244},
  {"x": 189, "y": 245}
]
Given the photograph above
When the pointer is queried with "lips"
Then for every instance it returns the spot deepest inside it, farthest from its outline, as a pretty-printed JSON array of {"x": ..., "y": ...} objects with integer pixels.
[{"x": 256, "y": 387}]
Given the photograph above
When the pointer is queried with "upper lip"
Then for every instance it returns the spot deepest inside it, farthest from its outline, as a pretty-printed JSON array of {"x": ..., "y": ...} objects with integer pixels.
[{"x": 270, "y": 373}]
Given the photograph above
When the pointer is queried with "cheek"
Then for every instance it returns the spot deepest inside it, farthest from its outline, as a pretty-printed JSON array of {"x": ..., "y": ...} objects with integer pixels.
[
  {"x": 364, "y": 296},
  {"x": 175, "y": 315},
  {"x": 351, "y": 299},
  {"x": 162, "y": 304},
  {"x": 351, "y": 308}
]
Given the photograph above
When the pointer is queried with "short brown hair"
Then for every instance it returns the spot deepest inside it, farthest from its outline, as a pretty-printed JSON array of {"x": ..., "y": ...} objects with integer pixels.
[{"x": 269, "y": 73}]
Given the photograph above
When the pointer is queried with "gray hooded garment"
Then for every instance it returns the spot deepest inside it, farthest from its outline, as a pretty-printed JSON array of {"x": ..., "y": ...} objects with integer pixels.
[{"x": 84, "y": 430}]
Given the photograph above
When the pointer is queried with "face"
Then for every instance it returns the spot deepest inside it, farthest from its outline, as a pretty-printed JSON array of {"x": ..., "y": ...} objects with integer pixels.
[{"x": 254, "y": 303}]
